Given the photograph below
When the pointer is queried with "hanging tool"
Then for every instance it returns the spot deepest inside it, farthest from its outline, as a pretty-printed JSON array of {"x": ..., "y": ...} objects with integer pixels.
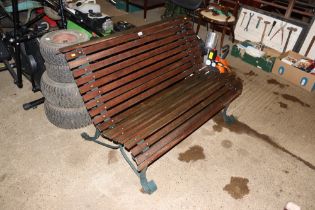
[
  {"x": 282, "y": 32},
  {"x": 250, "y": 18},
  {"x": 291, "y": 29},
  {"x": 243, "y": 18},
  {"x": 309, "y": 47},
  {"x": 258, "y": 22},
  {"x": 273, "y": 25},
  {"x": 264, "y": 32}
]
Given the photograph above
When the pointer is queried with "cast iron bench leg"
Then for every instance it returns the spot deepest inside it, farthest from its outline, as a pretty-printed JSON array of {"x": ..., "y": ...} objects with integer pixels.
[
  {"x": 94, "y": 138},
  {"x": 147, "y": 186},
  {"x": 228, "y": 119}
]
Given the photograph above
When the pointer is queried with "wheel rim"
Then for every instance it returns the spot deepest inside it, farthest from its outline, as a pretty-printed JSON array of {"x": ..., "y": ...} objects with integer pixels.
[{"x": 64, "y": 38}]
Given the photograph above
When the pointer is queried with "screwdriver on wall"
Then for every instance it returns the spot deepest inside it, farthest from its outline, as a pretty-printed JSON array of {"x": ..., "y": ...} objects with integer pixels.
[{"x": 273, "y": 25}]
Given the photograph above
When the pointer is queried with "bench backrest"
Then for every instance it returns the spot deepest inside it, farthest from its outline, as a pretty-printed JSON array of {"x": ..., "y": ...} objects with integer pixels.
[{"x": 114, "y": 74}]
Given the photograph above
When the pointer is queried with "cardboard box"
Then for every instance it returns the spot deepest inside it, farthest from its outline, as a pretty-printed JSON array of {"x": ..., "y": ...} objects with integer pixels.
[
  {"x": 265, "y": 63},
  {"x": 296, "y": 76}
]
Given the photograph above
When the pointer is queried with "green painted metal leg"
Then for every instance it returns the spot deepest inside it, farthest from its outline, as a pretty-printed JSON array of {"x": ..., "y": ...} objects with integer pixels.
[
  {"x": 87, "y": 137},
  {"x": 147, "y": 186},
  {"x": 94, "y": 138},
  {"x": 228, "y": 119}
]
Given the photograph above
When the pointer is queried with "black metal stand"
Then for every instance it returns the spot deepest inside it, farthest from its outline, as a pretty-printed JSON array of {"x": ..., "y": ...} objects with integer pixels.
[
  {"x": 17, "y": 47},
  {"x": 33, "y": 104}
]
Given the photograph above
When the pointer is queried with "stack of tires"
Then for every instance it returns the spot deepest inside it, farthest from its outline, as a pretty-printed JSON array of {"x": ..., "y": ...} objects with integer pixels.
[{"x": 63, "y": 104}]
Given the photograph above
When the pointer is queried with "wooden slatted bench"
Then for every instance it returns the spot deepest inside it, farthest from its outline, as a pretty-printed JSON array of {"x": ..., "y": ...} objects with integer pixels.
[{"x": 147, "y": 89}]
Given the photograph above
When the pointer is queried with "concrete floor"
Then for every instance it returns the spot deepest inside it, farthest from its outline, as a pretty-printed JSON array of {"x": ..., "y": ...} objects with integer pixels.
[{"x": 263, "y": 161}]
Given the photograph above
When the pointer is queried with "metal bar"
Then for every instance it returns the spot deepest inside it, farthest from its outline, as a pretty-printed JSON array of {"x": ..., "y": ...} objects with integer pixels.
[
  {"x": 17, "y": 47},
  {"x": 33, "y": 104},
  {"x": 34, "y": 20},
  {"x": 310, "y": 46},
  {"x": 10, "y": 69},
  {"x": 61, "y": 13}
]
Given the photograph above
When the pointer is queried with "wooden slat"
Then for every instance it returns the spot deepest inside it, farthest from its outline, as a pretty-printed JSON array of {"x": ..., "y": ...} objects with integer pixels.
[
  {"x": 122, "y": 85},
  {"x": 122, "y": 47},
  {"x": 170, "y": 114},
  {"x": 177, "y": 122},
  {"x": 152, "y": 87},
  {"x": 128, "y": 54},
  {"x": 178, "y": 52},
  {"x": 157, "y": 98},
  {"x": 174, "y": 100},
  {"x": 180, "y": 133},
  {"x": 142, "y": 96},
  {"x": 123, "y": 39},
  {"x": 105, "y": 71},
  {"x": 152, "y": 113},
  {"x": 153, "y": 126}
]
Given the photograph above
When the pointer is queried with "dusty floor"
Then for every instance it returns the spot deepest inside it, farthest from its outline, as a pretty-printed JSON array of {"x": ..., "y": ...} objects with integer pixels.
[{"x": 263, "y": 161}]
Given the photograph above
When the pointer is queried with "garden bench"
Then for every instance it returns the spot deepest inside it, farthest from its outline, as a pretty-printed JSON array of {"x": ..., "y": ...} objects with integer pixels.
[{"x": 147, "y": 89}]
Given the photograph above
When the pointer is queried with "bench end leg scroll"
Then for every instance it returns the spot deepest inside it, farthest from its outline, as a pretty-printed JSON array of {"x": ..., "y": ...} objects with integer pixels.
[
  {"x": 87, "y": 137},
  {"x": 148, "y": 186},
  {"x": 94, "y": 138},
  {"x": 228, "y": 119}
]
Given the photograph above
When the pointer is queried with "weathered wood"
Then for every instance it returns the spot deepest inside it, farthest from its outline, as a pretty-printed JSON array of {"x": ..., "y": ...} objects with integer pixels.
[
  {"x": 147, "y": 105},
  {"x": 181, "y": 132},
  {"x": 159, "y": 110},
  {"x": 166, "y": 117},
  {"x": 132, "y": 68}
]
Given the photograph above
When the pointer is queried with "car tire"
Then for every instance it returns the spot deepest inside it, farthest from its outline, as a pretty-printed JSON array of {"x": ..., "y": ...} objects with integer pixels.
[
  {"x": 67, "y": 118},
  {"x": 51, "y": 42},
  {"x": 58, "y": 73},
  {"x": 65, "y": 95}
]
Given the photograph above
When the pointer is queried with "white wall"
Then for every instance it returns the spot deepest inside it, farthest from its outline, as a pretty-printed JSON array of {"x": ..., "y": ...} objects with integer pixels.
[
  {"x": 254, "y": 34},
  {"x": 307, "y": 41}
]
